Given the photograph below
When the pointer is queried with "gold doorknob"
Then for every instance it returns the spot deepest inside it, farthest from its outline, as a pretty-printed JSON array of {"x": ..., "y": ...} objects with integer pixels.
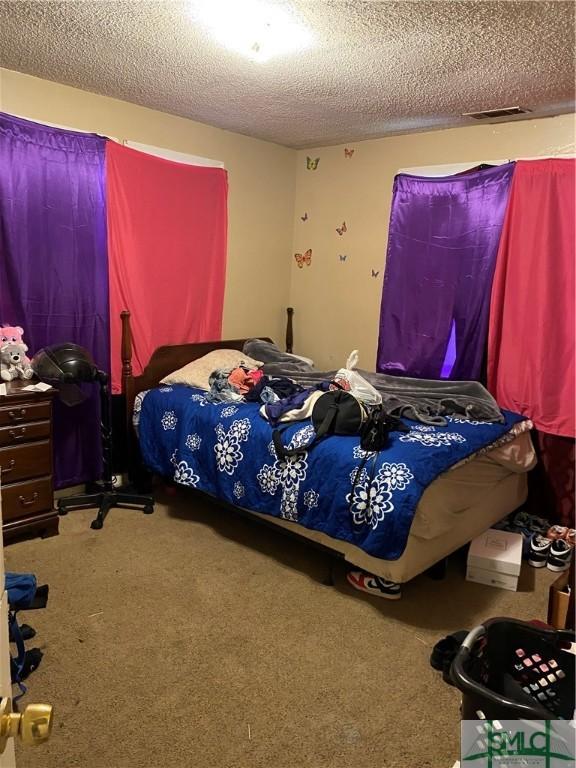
[{"x": 32, "y": 726}]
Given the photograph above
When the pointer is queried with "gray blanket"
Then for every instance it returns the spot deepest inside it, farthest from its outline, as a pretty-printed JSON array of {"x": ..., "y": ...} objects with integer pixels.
[
  {"x": 276, "y": 362},
  {"x": 425, "y": 400}
]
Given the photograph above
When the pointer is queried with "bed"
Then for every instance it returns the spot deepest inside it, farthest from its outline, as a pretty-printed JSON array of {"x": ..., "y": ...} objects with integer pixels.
[{"x": 477, "y": 475}]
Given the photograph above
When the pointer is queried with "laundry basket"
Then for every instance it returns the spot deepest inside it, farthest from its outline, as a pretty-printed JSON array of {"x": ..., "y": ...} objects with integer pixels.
[{"x": 508, "y": 669}]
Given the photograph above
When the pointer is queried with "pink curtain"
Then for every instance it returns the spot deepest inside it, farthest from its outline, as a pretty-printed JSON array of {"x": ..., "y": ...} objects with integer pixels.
[
  {"x": 551, "y": 483},
  {"x": 167, "y": 228},
  {"x": 531, "y": 336}
]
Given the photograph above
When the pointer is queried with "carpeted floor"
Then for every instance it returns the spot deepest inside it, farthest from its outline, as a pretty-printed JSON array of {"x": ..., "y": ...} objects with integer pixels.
[{"x": 195, "y": 637}]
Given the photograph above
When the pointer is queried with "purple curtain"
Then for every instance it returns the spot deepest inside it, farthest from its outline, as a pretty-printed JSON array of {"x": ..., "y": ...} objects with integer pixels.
[
  {"x": 53, "y": 265},
  {"x": 442, "y": 245}
]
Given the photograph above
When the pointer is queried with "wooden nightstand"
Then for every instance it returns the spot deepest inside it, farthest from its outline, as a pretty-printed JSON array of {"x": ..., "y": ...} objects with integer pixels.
[{"x": 26, "y": 462}]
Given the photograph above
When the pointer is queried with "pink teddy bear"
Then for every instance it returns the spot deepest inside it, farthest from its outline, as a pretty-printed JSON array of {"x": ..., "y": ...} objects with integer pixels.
[
  {"x": 10, "y": 334},
  {"x": 14, "y": 363}
]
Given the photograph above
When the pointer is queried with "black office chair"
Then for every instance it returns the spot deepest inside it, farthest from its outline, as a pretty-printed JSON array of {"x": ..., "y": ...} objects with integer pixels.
[{"x": 64, "y": 366}]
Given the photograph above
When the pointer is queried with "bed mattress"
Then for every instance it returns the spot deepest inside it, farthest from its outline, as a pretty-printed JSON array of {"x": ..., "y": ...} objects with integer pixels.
[{"x": 454, "y": 509}]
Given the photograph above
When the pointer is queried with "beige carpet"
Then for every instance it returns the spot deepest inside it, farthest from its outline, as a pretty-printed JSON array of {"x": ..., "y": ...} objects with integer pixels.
[{"x": 194, "y": 637}]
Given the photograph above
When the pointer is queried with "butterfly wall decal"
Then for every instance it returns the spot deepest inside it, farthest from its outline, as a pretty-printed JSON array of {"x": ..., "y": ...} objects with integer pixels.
[
  {"x": 305, "y": 217},
  {"x": 305, "y": 258},
  {"x": 375, "y": 273},
  {"x": 311, "y": 165},
  {"x": 342, "y": 229},
  {"x": 343, "y": 256},
  {"x": 348, "y": 152}
]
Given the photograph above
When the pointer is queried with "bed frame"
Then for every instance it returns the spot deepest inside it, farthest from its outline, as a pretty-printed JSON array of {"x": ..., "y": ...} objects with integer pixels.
[{"x": 166, "y": 359}]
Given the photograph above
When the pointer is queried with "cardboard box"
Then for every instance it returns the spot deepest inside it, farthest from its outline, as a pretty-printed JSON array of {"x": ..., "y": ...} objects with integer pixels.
[
  {"x": 495, "y": 559},
  {"x": 559, "y": 602}
]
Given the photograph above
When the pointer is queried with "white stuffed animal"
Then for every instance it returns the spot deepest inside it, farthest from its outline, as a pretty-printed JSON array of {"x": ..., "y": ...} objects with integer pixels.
[{"x": 13, "y": 362}]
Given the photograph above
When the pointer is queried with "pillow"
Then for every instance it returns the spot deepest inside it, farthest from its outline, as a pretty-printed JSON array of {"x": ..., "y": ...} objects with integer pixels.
[{"x": 197, "y": 373}]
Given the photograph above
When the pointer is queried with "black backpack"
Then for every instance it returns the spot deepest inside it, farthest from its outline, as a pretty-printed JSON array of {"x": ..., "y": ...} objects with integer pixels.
[
  {"x": 334, "y": 413},
  {"x": 374, "y": 437}
]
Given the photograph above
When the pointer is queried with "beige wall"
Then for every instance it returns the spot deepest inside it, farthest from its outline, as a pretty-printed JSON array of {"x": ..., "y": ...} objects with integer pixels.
[
  {"x": 337, "y": 304},
  {"x": 261, "y": 188}
]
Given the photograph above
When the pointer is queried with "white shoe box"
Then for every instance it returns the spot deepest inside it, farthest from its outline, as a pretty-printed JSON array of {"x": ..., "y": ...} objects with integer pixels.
[{"x": 495, "y": 559}]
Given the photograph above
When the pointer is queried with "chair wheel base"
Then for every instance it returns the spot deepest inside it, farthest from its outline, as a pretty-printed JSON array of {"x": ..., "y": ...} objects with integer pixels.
[{"x": 104, "y": 501}]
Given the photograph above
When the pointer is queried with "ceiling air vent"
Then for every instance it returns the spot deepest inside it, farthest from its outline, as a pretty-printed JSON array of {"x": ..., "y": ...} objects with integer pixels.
[{"x": 492, "y": 114}]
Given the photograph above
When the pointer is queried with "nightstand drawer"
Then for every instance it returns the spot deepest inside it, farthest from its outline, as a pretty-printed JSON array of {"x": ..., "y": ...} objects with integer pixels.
[
  {"x": 22, "y": 414},
  {"x": 24, "y": 461},
  {"x": 28, "y": 498},
  {"x": 24, "y": 433}
]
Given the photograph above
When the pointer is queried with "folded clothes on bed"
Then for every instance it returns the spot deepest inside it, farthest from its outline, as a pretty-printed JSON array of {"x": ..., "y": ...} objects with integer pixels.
[
  {"x": 425, "y": 400},
  {"x": 251, "y": 385},
  {"x": 221, "y": 390},
  {"x": 244, "y": 379},
  {"x": 297, "y": 407},
  {"x": 280, "y": 386}
]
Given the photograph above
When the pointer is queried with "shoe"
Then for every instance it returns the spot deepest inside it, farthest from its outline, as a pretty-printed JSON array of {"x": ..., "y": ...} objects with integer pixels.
[
  {"x": 26, "y": 632},
  {"x": 539, "y": 549},
  {"x": 556, "y": 532},
  {"x": 559, "y": 556},
  {"x": 444, "y": 652},
  {"x": 527, "y": 525},
  {"x": 374, "y": 585},
  {"x": 23, "y": 668}
]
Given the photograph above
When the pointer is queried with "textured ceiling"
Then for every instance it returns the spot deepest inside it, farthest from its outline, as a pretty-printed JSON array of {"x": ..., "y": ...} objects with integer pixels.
[{"x": 375, "y": 68}]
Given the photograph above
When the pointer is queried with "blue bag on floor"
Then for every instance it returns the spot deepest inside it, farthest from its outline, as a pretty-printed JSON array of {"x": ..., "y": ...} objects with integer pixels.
[{"x": 22, "y": 589}]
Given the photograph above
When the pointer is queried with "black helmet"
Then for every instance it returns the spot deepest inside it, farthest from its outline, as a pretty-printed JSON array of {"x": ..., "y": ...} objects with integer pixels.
[{"x": 63, "y": 366}]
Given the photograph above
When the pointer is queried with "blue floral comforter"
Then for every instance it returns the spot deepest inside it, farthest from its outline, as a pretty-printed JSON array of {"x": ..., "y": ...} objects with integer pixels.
[{"x": 226, "y": 450}]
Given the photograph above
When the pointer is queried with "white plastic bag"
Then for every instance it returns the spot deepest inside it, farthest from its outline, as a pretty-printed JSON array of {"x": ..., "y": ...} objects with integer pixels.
[{"x": 351, "y": 381}]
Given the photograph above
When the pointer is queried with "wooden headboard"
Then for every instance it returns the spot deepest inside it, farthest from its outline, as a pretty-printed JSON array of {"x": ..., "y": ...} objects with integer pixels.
[{"x": 166, "y": 359}]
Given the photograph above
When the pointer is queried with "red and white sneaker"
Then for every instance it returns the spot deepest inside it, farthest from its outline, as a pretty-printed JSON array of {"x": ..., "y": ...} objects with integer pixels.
[{"x": 374, "y": 585}]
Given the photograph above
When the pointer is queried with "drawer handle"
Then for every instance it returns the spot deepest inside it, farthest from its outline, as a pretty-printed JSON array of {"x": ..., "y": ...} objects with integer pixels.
[
  {"x": 14, "y": 436},
  {"x": 18, "y": 415},
  {"x": 28, "y": 502},
  {"x": 9, "y": 468}
]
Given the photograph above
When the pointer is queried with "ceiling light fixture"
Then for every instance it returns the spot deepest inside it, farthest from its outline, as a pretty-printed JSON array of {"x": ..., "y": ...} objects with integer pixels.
[{"x": 257, "y": 29}]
